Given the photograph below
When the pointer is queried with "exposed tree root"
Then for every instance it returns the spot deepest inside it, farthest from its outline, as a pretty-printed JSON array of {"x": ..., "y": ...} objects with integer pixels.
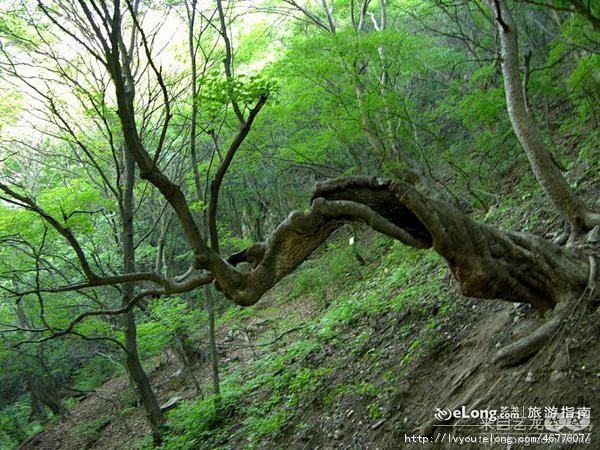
[
  {"x": 428, "y": 428},
  {"x": 592, "y": 277},
  {"x": 563, "y": 237},
  {"x": 540, "y": 337},
  {"x": 592, "y": 219},
  {"x": 464, "y": 376},
  {"x": 533, "y": 342}
]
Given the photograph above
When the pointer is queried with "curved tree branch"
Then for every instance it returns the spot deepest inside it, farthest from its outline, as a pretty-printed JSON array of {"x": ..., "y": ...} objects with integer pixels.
[
  {"x": 486, "y": 262},
  {"x": 215, "y": 185},
  {"x": 177, "y": 285}
]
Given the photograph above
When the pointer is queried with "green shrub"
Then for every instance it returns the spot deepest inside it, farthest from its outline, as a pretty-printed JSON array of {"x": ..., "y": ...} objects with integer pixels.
[
  {"x": 190, "y": 424},
  {"x": 94, "y": 372},
  {"x": 14, "y": 423}
]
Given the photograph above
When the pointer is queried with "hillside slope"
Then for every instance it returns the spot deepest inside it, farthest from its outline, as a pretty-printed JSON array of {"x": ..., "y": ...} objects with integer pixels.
[{"x": 344, "y": 355}]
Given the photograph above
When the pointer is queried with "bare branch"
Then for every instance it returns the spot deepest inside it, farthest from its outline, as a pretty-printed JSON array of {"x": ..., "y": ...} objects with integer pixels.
[
  {"x": 29, "y": 204},
  {"x": 227, "y": 62},
  {"x": 222, "y": 169}
]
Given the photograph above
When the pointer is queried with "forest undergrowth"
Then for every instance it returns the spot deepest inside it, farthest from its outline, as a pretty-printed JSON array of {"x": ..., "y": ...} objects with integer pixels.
[{"x": 361, "y": 360}]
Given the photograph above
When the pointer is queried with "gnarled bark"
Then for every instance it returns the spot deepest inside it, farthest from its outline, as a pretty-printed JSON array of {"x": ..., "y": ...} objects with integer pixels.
[{"x": 486, "y": 262}]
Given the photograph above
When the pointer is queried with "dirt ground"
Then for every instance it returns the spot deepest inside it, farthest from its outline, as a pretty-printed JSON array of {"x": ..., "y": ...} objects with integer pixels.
[
  {"x": 115, "y": 403},
  {"x": 457, "y": 371}
]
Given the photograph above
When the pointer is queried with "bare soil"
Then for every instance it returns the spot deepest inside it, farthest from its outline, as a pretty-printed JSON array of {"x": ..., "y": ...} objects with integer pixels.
[{"x": 455, "y": 369}]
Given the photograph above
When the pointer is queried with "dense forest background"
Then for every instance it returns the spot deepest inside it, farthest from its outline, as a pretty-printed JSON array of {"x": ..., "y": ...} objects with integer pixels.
[{"x": 119, "y": 118}]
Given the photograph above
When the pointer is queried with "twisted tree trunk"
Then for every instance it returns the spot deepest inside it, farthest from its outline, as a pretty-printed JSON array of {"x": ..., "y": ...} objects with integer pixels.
[
  {"x": 547, "y": 173},
  {"x": 486, "y": 262}
]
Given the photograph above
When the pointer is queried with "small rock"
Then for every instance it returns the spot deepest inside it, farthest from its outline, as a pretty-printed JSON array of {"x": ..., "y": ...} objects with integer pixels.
[
  {"x": 561, "y": 362},
  {"x": 349, "y": 413},
  {"x": 338, "y": 434},
  {"x": 593, "y": 237},
  {"x": 516, "y": 319},
  {"x": 556, "y": 376},
  {"x": 170, "y": 404},
  {"x": 529, "y": 377},
  {"x": 378, "y": 424},
  {"x": 177, "y": 379}
]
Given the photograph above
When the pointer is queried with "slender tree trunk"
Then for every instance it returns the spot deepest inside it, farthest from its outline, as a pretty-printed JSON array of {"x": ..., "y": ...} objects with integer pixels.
[
  {"x": 212, "y": 342},
  {"x": 40, "y": 395},
  {"x": 136, "y": 371},
  {"x": 38, "y": 411},
  {"x": 548, "y": 175},
  {"x": 159, "y": 265},
  {"x": 236, "y": 217},
  {"x": 185, "y": 358},
  {"x": 208, "y": 297},
  {"x": 372, "y": 137},
  {"x": 413, "y": 172}
]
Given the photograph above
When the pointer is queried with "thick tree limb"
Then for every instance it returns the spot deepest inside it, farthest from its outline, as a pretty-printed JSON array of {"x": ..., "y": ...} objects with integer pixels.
[
  {"x": 148, "y": 170},
  {"x": 486, "y": 262}
]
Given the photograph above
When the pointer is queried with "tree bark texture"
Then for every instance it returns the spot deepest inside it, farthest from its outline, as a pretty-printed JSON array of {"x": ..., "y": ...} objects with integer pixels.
[
  {"x": 136, "y": 371},
  {"x": 547, "y": 173},
  {"x": 486, "y": 262},
  {"x": 43, "y": 394}
]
